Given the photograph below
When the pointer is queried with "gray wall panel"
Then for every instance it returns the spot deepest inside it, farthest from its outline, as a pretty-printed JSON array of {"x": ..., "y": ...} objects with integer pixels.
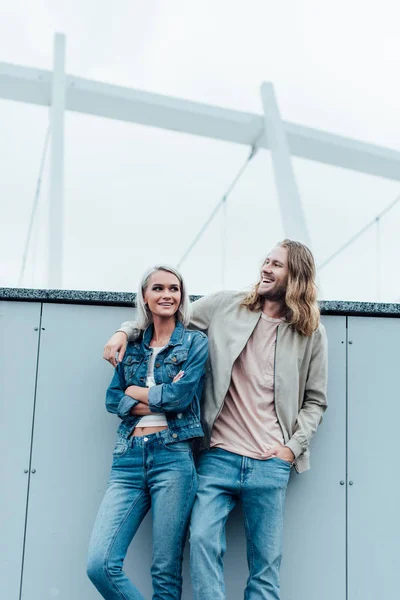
[
  {"x": 374, "y": 497},
  {"x": 73, "y": 441},
  {"x": 74, "y": 436},
  {"x": 314, "y": 561},
  {"x": 19, "y": 344}
]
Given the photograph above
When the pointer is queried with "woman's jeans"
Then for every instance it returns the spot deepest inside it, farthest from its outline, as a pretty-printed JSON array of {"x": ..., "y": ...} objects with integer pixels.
[
  {"x": 260, "y": 485},
  {"x": 145, "y": 472}
]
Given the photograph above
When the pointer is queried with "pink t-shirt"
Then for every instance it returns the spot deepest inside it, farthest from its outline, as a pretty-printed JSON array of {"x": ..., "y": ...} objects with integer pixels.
[{"x": 248, "y": 424}]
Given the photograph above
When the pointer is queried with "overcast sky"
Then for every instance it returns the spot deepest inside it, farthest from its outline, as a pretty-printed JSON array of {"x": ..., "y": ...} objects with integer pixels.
[{"x": 136, "y": 195}]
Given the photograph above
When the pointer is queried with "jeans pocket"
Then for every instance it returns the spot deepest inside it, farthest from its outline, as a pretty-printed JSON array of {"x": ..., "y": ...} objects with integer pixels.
[
  {"x": 120, "y": 448},
  {"x": 178, "y": 446},
  {"x": 283, "y": 461}
]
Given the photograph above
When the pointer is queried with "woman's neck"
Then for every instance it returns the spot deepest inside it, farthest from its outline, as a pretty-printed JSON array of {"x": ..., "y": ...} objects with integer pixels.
[{"x": 163, "y": 329}]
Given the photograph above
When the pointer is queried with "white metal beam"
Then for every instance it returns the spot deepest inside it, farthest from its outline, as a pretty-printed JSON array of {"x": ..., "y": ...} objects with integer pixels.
[
  {"x": 292, "y": 213},
  {"x": 91, "y": 97},
  {"x": 56, "y": 195}
]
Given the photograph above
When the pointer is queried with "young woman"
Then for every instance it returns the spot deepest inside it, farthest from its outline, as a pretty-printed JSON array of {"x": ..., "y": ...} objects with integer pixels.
[{"x": 156, "y": 392}]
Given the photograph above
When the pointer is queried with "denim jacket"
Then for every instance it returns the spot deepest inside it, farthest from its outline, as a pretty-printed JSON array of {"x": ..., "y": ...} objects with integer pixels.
[{"x": 180, "y": 401}]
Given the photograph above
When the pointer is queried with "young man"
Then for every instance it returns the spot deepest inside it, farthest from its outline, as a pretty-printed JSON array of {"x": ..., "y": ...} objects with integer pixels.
[{"x": 265, "y": 393}]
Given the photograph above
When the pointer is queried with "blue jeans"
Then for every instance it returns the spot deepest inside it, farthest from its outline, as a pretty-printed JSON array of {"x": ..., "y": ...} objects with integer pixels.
[
  {"x": 260, "y": 485},
  {"x": 145, "y": 472}
]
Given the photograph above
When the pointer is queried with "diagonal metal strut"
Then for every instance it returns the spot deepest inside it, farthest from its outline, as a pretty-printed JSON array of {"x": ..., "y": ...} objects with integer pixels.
[{"x": 220, "y": 204}]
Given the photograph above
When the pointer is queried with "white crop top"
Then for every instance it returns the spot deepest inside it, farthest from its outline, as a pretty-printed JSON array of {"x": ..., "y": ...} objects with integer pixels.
[{"x": 156, "y": 419}]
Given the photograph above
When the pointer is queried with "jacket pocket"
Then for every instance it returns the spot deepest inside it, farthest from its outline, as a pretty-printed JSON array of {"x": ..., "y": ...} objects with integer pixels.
[
  {"x": 173, "y": 362},
  {"x": 131, "y": 364}
]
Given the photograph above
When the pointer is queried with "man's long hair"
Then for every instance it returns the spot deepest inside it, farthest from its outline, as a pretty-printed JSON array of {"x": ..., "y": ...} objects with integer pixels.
[{"x": 302, "y": 311}]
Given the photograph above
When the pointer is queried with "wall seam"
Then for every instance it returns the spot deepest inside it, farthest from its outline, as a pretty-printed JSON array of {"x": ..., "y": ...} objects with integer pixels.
[
  {"x": 30, "y": 453},
  {"x": 347, "y": 463}
]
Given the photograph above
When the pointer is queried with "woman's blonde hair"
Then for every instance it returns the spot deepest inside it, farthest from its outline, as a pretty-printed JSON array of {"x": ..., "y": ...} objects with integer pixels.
[
  {"x": 144, "y": 316},
  {"x": 302, "y": 311}
]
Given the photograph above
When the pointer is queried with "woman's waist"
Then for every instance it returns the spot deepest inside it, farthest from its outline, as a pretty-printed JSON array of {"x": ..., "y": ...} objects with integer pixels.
[
  {"x": 176, "y": 430},
  {"x": 147, "y": 430}
]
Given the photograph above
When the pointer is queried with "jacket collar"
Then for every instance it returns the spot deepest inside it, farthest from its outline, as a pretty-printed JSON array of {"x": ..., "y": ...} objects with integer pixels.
[{"x": 176, "y": 337}]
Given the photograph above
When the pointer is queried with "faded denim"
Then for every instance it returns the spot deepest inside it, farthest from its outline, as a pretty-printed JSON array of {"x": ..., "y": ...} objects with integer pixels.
[
  {"x": 188, "y": 351},
  {"x": 146, "y": 471},
  {"x": 260, "y": 485}
]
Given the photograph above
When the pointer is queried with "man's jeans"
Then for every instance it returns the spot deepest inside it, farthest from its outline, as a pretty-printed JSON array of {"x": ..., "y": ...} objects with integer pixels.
[
  {"x": 223, "y": 478},
  {"x": 145, "y": 472}
]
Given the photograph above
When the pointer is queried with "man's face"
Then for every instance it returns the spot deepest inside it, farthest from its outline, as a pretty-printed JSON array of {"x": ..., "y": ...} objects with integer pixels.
[{"x": 274, "y": 275}]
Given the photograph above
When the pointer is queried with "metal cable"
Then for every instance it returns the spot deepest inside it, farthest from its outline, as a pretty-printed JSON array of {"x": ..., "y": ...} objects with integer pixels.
[
  {"x": 34, "y": 207},
  {"x": 378, "y": 258},
  {"x": 224, "y": 198},
  {"x": 359, "y": 233}
]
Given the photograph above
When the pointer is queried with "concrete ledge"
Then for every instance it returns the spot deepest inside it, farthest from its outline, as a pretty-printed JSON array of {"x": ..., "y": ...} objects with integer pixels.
[{"x": 328, "y": 307}]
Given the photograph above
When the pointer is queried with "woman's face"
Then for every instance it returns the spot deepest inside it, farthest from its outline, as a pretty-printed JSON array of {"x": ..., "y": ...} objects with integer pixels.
[{"x": 163, "y": 294}]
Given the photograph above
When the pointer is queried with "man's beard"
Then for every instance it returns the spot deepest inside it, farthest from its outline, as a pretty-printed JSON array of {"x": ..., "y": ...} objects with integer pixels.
[{"x": 276, "y": 295}]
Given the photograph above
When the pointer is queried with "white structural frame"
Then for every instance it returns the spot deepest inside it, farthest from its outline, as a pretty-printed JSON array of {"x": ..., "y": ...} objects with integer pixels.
[
  {"x": 292, "y": 212},
  {"x": 56, "y": 189},
  {"x": 60, "y": 92}
]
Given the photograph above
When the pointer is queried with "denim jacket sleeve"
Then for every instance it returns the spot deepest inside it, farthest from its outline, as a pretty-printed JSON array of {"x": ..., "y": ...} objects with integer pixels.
[
  {"x": 177, "y": 397},
  {"x": 117, "y": 401}
]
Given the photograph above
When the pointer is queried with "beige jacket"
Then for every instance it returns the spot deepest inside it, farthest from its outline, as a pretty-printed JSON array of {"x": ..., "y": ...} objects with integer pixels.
[{"x": 300, "y": 368}]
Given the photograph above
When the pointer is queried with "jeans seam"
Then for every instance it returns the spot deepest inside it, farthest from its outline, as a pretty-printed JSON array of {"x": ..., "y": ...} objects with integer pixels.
[
  {"x": 194, "y": 477},
  {"x": 249, "y": 542},
  {"x": 110, "y": 579},
  {"x": 223, "y": 524}
]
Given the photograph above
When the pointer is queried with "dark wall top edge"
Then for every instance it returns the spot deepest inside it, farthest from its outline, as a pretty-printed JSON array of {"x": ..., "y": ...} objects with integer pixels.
[{"x": 328, "y": 307}]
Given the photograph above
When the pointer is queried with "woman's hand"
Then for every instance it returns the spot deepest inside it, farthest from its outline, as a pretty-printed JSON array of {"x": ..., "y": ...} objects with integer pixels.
[
  {"x": 141, "y": 394},
  {"x": 116, "y": 344},
  {"x": 178, "y": 376}
]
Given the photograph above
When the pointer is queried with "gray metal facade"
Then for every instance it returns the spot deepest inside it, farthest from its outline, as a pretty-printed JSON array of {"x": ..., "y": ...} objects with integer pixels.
[{"x": 56, "y": 439}]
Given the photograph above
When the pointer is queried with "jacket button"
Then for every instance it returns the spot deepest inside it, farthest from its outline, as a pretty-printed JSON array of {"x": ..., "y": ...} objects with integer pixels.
[
  {"x": 179, "y": 415},
  {"x": 158, "y": 365},
  {"x": 174, "y": 435}
]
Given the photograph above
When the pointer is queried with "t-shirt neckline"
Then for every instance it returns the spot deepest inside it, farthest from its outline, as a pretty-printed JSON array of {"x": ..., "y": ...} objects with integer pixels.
[{"x": 271, "y": 319}]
